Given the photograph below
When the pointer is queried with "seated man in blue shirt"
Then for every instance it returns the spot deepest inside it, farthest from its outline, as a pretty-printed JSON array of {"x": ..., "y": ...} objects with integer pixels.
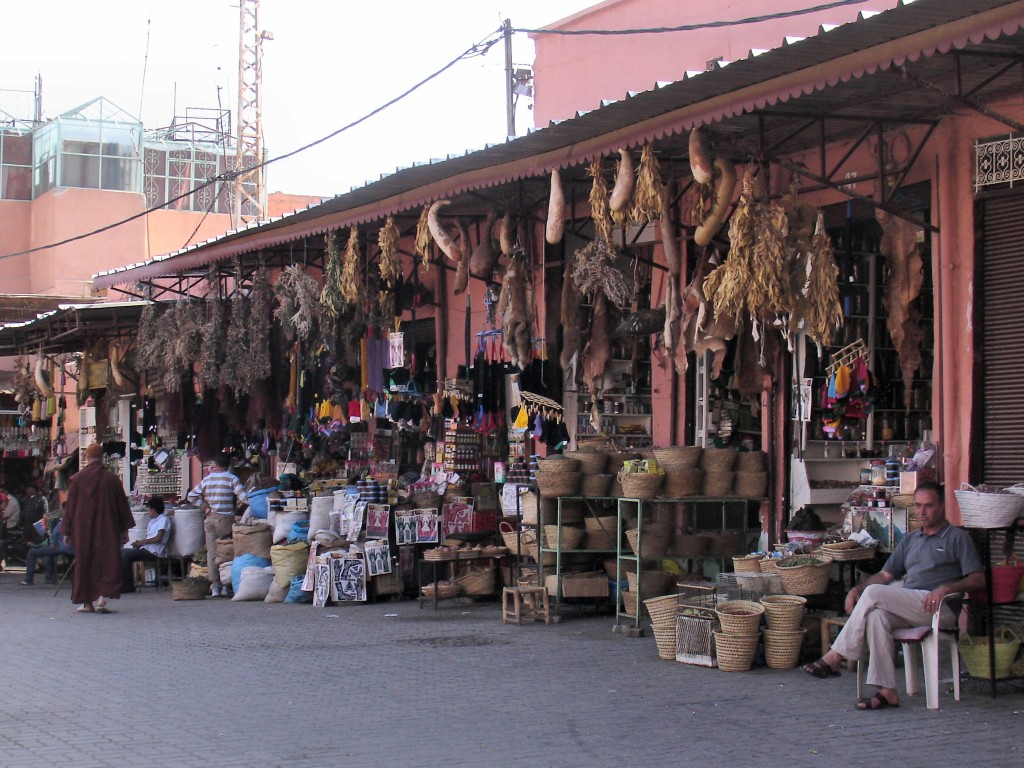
[
  {"x": 931, "y": 562},
  {"x": 48, "y": 550},
  {"x": 158, "y": 534}
]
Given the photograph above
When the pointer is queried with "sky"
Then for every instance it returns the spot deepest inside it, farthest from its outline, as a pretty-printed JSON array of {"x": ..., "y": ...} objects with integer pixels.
[{"x": 330, "y": 62}]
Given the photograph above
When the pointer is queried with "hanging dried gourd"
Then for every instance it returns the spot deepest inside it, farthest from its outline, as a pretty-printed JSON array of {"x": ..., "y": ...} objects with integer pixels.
[
  {"x": 599, "y": 211},
  {"x": 387, "y": 241},
  {"x": 332, "y": 297},
  {"x": 818, "y": 304},
  {"x": 622, "y": 192},
  {"x": 259, "y": 328},
  {"x": 351, "y": 279},
  {"x": 422, "y": 243},
  {"x": 647, "y": 195},
  {"x": 298, "y": 308}
]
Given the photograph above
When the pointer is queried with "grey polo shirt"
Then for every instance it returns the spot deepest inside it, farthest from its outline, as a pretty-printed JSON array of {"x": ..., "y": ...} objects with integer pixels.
[{"x": 926, "y": 562}]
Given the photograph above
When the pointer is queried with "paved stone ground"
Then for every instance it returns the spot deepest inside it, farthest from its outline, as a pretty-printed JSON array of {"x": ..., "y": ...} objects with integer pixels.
[{"x": 212, "y": 682}]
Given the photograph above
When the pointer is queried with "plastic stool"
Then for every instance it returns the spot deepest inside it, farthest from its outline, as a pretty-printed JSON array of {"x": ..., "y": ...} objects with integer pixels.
[{"x": 540, "y": 609}]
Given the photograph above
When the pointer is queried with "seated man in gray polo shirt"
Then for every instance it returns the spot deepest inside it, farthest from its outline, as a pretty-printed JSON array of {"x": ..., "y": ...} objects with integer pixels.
[{"x": 933, "y": 561}]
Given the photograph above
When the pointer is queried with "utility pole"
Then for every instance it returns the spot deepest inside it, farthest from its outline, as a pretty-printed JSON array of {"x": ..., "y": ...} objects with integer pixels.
[
  {"x": 510, "y": 107},
  {"x": 248, "y": 188}
]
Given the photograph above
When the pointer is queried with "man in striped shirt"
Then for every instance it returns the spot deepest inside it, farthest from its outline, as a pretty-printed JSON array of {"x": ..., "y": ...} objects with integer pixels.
[{"x": 217, "y": 495}]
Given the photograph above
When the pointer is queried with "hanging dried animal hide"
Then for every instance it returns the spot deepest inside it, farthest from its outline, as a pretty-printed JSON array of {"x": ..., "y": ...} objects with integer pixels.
[
  {"x": 702, "y": 330},
  {"x": 673, "y": 304},
  {"x": 902, "y": 287},
  {"x": 464, "y": 250},
  {"x": 754, "y": 362},
  {"x": 641, "y": 323},
  {"x": 481, "y": 263},
  {"x": 599, "y": 350},
  {"x": 516, "y": 311},
  {"x": 570, "y": 317}
]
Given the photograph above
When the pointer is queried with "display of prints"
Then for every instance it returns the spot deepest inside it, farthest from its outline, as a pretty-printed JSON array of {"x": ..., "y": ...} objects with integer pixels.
[
  {"x": 350, "y": 521},
  {"x": 405, "y": 528},
  {"x": 322, "y": 583},
  {"x": 458, "y": 515},
  {"x": 378, "y": 521},
  {"x": 426, "y": 526},
  {"x": 396, "y": 350},
  {"x": 348, "y": 579},
  {"x": 378, "y": 558}
]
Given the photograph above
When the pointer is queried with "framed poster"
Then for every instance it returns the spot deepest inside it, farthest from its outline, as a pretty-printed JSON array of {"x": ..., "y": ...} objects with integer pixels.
[
  {"x": 405, "y": 527},
  {"x": 348, "y": 579},
  {"x": 350, "y": 520},
  {"x": 378, "y": 558},
  {"x": 396, "y": 349},
  {"x": 378, "y": 521},
  {"x": 321, "y": 582},
  {"x": 458, "y": 515},
  {"x": 427, "y": 528}
]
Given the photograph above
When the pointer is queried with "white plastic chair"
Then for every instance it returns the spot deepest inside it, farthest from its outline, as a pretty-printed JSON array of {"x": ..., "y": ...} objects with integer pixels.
[{"x": 928, "y": 638}]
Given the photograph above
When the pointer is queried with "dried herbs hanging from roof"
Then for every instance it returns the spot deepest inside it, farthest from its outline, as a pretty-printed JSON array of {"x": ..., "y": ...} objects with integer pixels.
[
  {"x": 387, "y": 240},
  {"x": 423, "y": 239},
  {"x": 351, "y": 277},
  {"x": 332, "y": 298},
  {"x": 647, "y": 195},
  {"x": 298, "y": 308}
]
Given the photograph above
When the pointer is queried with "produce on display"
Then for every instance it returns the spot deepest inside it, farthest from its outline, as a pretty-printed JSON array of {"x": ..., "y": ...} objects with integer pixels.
[{"x": 555, "y": 226}]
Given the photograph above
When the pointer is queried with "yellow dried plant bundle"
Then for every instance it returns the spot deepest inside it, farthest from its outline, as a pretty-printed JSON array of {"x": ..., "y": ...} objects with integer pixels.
[
  {"x": 599, "y": 200},
  {"x": 768, "y": 295},
  {"x": 350, "y": 278},
  {"x": 726, "y": 287},
  {"x": 819, "y": 302},
  {"x": 331, "y": 298},
  {"x": 423, "y": 240},
  {"x": 387, "y": 240},
  {"x": 647, "y": 195}
]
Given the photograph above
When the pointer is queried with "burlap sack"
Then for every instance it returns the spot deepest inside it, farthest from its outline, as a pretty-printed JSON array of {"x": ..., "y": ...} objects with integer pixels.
[
  {"x": 288, "y": 560},
  {"x": 225, "y": 550},
  {"x": 252, "y": 539}
]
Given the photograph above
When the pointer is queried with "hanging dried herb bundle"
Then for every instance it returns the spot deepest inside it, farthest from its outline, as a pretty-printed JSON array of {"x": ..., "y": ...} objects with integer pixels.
[
  {"x": 350, "y": 274},
  {"x": 298, "y": 308},
  {"x": 211, "y": 355},
  {"x": 24, "y": 384},
  {"x": 234, "y": 372},
  {"x": 423, "y": 239},
  {"x": 769, "y": 295},
  {"x": 259, "y": 327},
  {"x": 597, "y": 267},
  {"x": 647, "y": 195},
  {"x": 818, "y": 303},
  {"x": 331, "y": 298},
  {"x": 387, "y": 240},
  {"x": 599, "y": 201},
  {"x": 180, "y": 332},
  {"x": 147, "y": 342}
]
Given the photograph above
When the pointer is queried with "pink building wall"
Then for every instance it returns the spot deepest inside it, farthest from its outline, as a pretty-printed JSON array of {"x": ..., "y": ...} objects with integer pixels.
[
  {"x": 15, "y": 236},
  {"x": 574, "y": 73}
]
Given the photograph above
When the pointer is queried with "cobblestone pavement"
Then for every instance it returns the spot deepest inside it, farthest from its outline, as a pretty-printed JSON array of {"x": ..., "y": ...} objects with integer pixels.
[{"x": 213, "y": 682}]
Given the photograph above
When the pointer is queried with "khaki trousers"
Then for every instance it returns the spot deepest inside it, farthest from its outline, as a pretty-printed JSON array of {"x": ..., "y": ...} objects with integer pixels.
[{"x": 216, "y": 527}]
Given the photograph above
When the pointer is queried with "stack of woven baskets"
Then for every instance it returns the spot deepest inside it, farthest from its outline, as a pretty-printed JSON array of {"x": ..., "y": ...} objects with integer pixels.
[
  {"x": 595, "y": 481},
  {"x": 783, "y": 636},
  {"x": 558, "y": 476},
  {"x": 804, "y": 574},
  {"x": 663, "y": 622},
  {"x": 751, "y": 475},
  {"x": 653, "y": 542},
  {"x": 601, "y": 532},
  {"x": 717, "y": 464},
  {"x": 683, "y": 476},
  {"x": 736, "y": 642},
  {"x": 615, "y": 462}
]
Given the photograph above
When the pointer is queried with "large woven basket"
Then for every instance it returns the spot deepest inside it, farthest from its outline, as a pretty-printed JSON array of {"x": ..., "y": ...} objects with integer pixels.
[
  {"x": 640, "y": 485},
  {"x": 740, "y": 617},
  {"x": 444, "y": 590},
  {"x": 718, "y": 482},
  {"x": 784, "y": 613},
  {"x": 190, "y": 589},
  {"x": 782, "y": 648},
  {"x": 752, "y": 485},
  {"x": 975, "y": 653},
  {"x": 529, "y": 506},
  {"x": 735, "y": 653},
  {"x": 595, "y": 485},
  {"x": 554, "y": 484},
  {"x": 678, "y": 456},
  {"x": 769, "y": 565},
  {"x": 842, "y": 553},
  {"x": 629, "y": 601},
  {"x": 557, "y": 464},
  {"x": 653, "y": 545},
  {"x": 590, "y": 463},
  {"x": 652, "y": 583},
  {"x": 680, "y": 483},
  {"x": 663, "y": 610},
  {"x": 718, "y": 459},
  {"x": 804, "y": 579},
  {"x": 571, "y": 537},
  {"x": 979, "y": 509},
  {"x": 531, "y": 547},
  {"x": 665, "y": 638},
  {"x": 746, "y": 563},
  {"x": 751, "y": 461},
  {"x": 510, "y": 536},
  {"x": 476, "y": 583}
]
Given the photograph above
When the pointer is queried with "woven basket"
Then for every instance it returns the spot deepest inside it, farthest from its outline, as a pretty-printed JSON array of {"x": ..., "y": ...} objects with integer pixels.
[
  {"x": 663, "y": 610},
  {"x": 557, "y": 465},
  {"x": 746, "y": 563},
  {"x": 598, "y": 540},
  {"x": 974, "y": 651},
  {"x": 602, "y": 523},
  {"x": 718, "y": 459},
  {"x": 477, "y": 582},
  {"x": 903, "y": 500},
  {"x": 665, "y": 638},
  {"x": 846, "y": 554},
  {"x": 192, "y": 589},
  {"x": 653, "y": 583},
  {"x": 784, "y": 613},
  {"x": 805, "y": 579},
  {"x": 629, "y": 603},
  {"x": 680, "y": 483},
  {"x": 653, "y": 545},
  {"x": 782, "y": 648},
  {"x": 718, "y": 482},
  {"x": 528, "y": 508},
  {"x": 740, "y": 617},
  {"x": 641, "y": 485},
  {"x": 531, "y": 547},
  {"x": 735, "y": 653},
  {"x": 988, "y": 510},
  {"x": 444, "y": 590},
  {"x": 595, "y": 485},
  {"x": 571, "y": 537},
  {"x": 554, "y": 484},
  {"x": 691, "y": 546},
  {"x": 769, "y": 565},
  {"x": 611, "y": 568},
  {"x": 752, "y": 485},
  {"x": 678, "y": 456},
  {"x": 590, "y": 463},
  {"x": 510, "y": 536},
  {"x": 751, "y": 461}
]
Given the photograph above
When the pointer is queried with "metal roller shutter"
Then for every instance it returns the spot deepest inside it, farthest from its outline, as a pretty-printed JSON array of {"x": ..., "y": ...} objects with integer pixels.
[{"x": 1002, "y": 330}]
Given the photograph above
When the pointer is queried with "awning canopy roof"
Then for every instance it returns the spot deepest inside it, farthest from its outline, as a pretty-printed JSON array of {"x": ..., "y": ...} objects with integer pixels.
[
  {"x": 71, "y": 328},
  {"x": 911, "y": 65}
]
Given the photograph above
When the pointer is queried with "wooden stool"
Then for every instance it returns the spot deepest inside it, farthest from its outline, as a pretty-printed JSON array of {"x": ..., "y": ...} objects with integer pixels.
[
  {"x": 826, "y": 636},
  {"x": 540, "y": 608}
]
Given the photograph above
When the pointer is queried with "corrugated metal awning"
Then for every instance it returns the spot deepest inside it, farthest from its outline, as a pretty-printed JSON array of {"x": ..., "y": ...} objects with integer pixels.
[{"x": 71, "y": 328}]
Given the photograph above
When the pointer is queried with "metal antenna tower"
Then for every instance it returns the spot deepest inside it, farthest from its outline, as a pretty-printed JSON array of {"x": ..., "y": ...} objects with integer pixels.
[{"x": 248, "y": 190}]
